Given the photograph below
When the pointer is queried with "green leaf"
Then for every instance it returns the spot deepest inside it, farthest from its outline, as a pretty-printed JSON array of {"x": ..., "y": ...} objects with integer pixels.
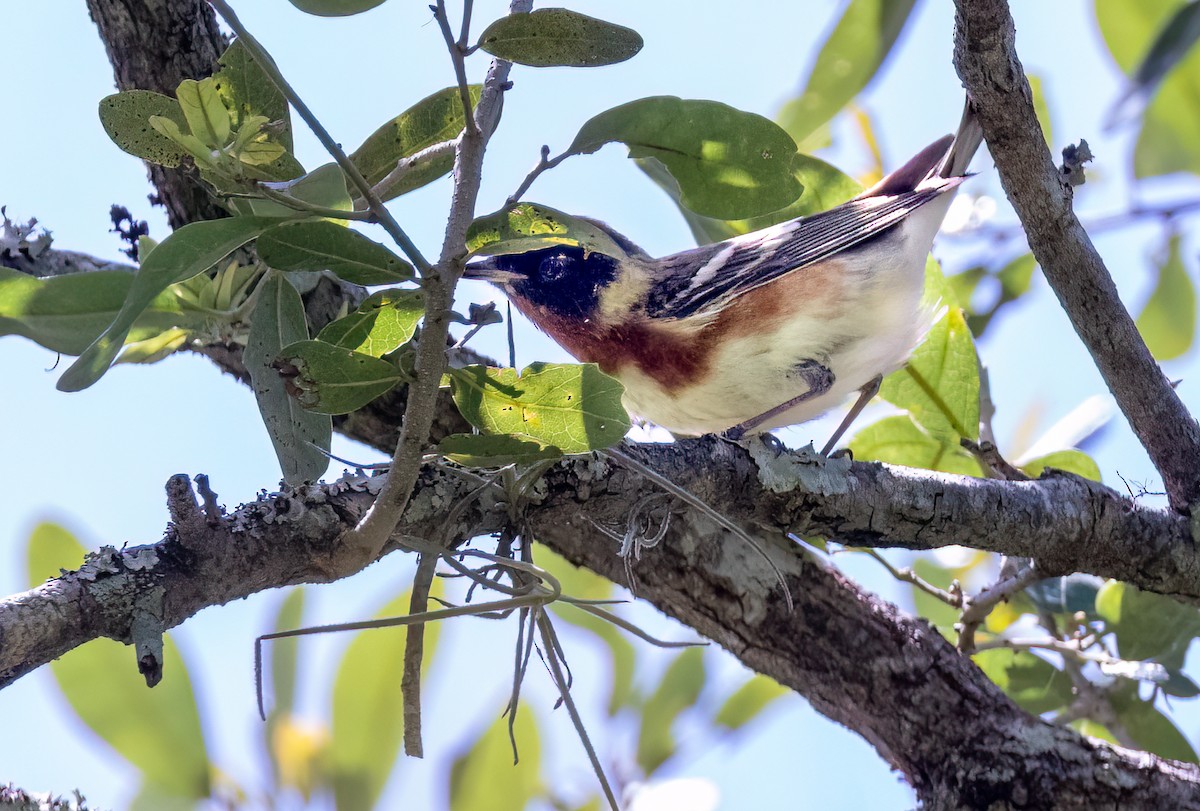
[
  {"x": 1174, "y": 41},
  {"x": 939, "y": 386},
  {"x": 1066, "y": 595},
  {"x": 679, "y": 689},
  {"x": 748, "y": 701},
  {"x": 248, "y": 91},
  {"x": 1148, "y": 627},
  {"x": 1070, "y": 460},
  {"x": 152, "y": 350},
  {"x": 125, "y": 117},
  {"x": 330, "y": 379},
  {"x": 481, "y": 450},
  {"x": 384, "y": 322},
  {"x": 728, "y": 163},
  {"x": 525, "y": 227},
  {"x": 1035, "y": 684},
  {"x": 898, "y": 440},
  {"x": 1041, "y": 107},
  {"x": 157, "y": 731},
  {"x": 66, "y": 313},
  {"x": 1170, "y": 136},
  {"x": 824, "y": 188},
  {"x": 573, "y": 406},
  {"x": 368, "y": 710},
  {"x": 485, "y": 777},
  {"x": 187, "y": 252},
  {"x": 551, "y": 37},
  {"x": 1149, "y": 728},
  {"x": 324, "y": 245},
  {"x": 849, "y": 58},
  {"x": 284, "y": 652},
  {"x": 324, "y": 186},
  {"x": 430, "y": 121},
  {"x": 205, "y": 113},
  {"x": 1168, "y": 321},
  {"x": 335, "y": 8},
  {"x": 299, "y": 436}
]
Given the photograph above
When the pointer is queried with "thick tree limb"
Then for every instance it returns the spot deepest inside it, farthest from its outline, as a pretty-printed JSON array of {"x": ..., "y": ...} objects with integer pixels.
[
  {"x": 986, "y": 58},
  {"x": 894, "y": 679}
]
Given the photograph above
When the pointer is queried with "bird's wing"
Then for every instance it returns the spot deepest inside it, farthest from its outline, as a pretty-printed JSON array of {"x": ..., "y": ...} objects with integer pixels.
[{"x": 707, "y": 278}]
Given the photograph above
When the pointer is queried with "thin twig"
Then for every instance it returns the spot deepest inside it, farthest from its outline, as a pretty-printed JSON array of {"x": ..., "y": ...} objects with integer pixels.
[
  {"x": 457, "y": 58},
  {"x": 544, "y": 163},
  {"x": 907, "y": 575},
  {"x": 267, "y": 64},
  {"x": 414, "y": 655},
  {"x": 406, "y": 166},
  {"x": 976, "y": 609}
]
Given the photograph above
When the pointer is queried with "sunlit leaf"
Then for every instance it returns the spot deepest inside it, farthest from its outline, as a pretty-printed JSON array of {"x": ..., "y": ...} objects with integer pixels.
[
  {"x": 248, "y": 91},
  {"x": 1168, "y": 321},
  {"x": 189, "y": 251},
  {"x": 898, "y": 440},
  {"x": 575, "y": 407},
  {"x": 298, "y": 435},
  {"x": 558, "y": 36},
  {"x": 66, "y": 313},
  {"x": 679, "y": 689},
  {"x": 323, "y": 245},
  {"x": 1148, "y": 626},
  {"x": 1070, "y": 460},
  {"x": 156, "y": 731},
  {"x": 1035, "y": 684},
  {"x": 939, "y": 386},
  {"x": 728, "y": 163},
  {"x": 324, "y": 187},
  {"x": 430, "y": 121},
  {"x": 335, "y": 8},
  {"x": 824, "y": 188},
  {"x": 331, "y": 379},
  {"x": 485, "y": 775},
  {"x": 368, "y": 710},
  {"x": 154, "y": 349},
  {"x": 524, "y": 227},
  {"x": 1041, "y": 107},
  {"x": 205, "y": 113},
  {"x": 748, "y": 701},
  {"x": 125, "y": 117},
  {"x": 382, "y": 323},
  {"x": 849, "y": 58}
]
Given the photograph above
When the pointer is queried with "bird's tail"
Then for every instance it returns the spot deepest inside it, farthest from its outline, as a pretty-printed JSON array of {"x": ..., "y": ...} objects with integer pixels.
[{"x": 966, "y": 144}]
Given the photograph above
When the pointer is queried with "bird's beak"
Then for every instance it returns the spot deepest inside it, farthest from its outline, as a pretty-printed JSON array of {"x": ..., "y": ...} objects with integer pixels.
[{"x": 487, "y": 269}]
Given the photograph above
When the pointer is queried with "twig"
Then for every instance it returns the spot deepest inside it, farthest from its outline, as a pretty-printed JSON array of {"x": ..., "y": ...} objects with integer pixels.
[
  {"x": 300, "y": 205},
  {"x": 907, "y": 575},
  {"x": 406, "y": 166},
  {"x": 1134, "y": 215},
  {"x": 267, "y": 65},
  {"x": 544, "y": 163},
  {"x": 455, "y": 47},
  {"x": 976, "y": 609},
  {"x": 989, "y": 456},
  {"x": 414, "y": 655}
]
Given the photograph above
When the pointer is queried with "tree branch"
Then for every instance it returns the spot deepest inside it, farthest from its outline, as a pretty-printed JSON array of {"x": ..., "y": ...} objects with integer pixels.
[{"x": 986, "y": 59}]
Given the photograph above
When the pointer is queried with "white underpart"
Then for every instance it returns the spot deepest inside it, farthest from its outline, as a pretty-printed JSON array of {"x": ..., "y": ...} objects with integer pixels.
[{"x": 880, "y": 322}]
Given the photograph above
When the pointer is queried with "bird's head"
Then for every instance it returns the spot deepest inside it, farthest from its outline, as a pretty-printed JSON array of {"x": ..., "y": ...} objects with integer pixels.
[{"x": 564, "y": 279}]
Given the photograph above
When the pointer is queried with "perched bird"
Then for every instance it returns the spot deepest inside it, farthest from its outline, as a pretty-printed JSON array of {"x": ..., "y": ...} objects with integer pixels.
[{"x": 760, "y": 331}]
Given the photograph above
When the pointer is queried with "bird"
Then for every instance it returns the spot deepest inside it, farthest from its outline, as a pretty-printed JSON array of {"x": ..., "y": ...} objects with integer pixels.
[{"x": 760, "y": 331}]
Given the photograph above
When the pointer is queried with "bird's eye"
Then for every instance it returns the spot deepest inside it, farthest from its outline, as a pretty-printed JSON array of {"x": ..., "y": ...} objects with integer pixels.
[{"x": 555, "y": 268}]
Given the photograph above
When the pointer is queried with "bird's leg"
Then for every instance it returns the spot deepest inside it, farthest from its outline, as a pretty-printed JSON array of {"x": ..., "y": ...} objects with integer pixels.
[
  {"x": 819, "y": 380},
  {"x": 864, "y": 396}
]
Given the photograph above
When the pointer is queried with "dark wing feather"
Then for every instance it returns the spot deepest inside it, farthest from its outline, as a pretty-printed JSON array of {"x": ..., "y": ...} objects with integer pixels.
[{"x": 707, "y": 278}]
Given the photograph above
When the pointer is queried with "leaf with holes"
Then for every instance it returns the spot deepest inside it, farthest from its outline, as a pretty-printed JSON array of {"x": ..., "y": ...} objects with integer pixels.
[
  {"x": 485, "y": 450},
  {"x": 528, "y": 226},
  {"x": 575, "y": 407},
  {"x": 550, "y": 37},
  {"x": 331, "y": 379}
]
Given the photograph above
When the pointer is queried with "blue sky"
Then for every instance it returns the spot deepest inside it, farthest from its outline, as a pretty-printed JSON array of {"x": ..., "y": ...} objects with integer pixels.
[{"x": 97, "y": 460}]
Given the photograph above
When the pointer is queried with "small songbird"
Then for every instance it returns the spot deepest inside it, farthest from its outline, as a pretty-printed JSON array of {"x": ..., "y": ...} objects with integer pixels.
[{"x": 760, "y": 331}]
